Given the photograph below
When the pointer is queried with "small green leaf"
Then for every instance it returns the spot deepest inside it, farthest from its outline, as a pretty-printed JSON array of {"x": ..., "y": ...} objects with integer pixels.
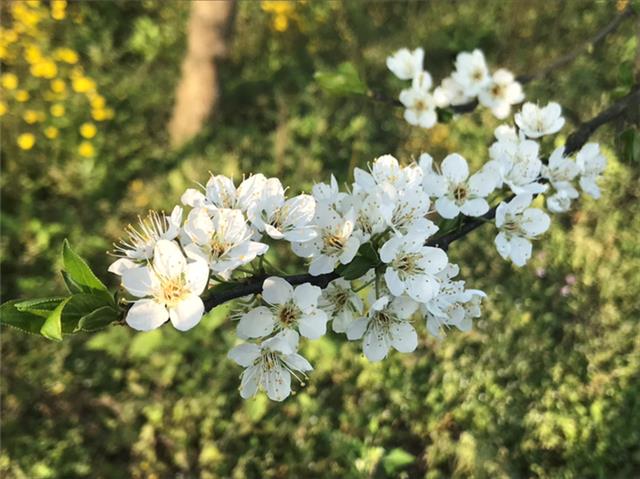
[
  {"x": 444, "y": 115},
  {"x": 23, "y": 320},
  {"x": 630, "y": 140},
  {"x": 625, "y": 74},
  {"x": 81, "y": 305},
  {"x": 79, "y": 272},
  {"x": 396, "y": 460},
  {"x": 52, "y": 327},
  {"x": 357, "y": 268},
  {"x": 98, "y": 319},
  {"x": 369, "y": 252},
  {"x": 39, "y": 307},
  {"x": 71, "y": 285},
  {"x": 343, "y": 81}
]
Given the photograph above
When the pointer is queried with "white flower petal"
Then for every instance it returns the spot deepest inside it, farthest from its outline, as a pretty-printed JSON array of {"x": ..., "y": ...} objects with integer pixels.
[
  {"x": 447, "y": 208},
  {"x": 139, "y": 281},
  {"x": 403, "y": 336},
  {"x": 357, "y": 328},
  {"x": 146, "y": 315},
  {"x": 313, "y": 325},
  {"x": 306, "y": 296},
  {"x": 187, "y": 313},
  {"x": 277, "y": 383},
  {"x": 244, "y": 354},
  {"x": 256, "y": 323},
  {"x": 475, "y": 207},
  {"x": 376, "y": 343},
  {"x": 276, "y": 290},
  {"x": 455, "y": 168},
  {"x": 168, "y": 260}
]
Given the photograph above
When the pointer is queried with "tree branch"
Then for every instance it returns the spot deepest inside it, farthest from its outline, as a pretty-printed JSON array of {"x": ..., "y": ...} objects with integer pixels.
[{"x": 575, "y": 141}]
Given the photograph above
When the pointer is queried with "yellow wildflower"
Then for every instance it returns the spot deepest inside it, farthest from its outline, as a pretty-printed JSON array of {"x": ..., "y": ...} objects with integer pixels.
[
  {"x": 57, "y": 110},
  {"x": 280, "y": 23},
  {"x": 66, "y": 55},
  {"x": 97, "y": 101},
  {"x": 51, "y": 132},
  {"x": 3, "y": 108},
  {"x": 88, "y": 130},
  {"x": 9, "y": 81},
  {"x": 58, "y": 9},
  {"x": 26, "y": 141},
  {"x": 22, "y": 96},
  {"x": 32, "y": 53},
  {"x": 101, "y": 114},
  {"x": 30, "y": 116},
  {"x": 83, "y": 84},
  {"x": 44, "y": 69},
  {"x": 86, "y": 149},
  {"x": 9, "y": 36},
  {"x": 58, "y": 86}
]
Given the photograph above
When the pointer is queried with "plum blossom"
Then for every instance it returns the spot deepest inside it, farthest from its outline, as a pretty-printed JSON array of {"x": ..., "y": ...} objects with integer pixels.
[
  {"x": 406, "y": 64},
  {"x": 502, "y": 92},
  {"x": 220, "y": 192},
  {"x": 535, "y": 121},
  {"x": 329, "y": 194},
  {"x": 517, "y": 161},
  {"x": 291, "y": 310},
  {"x": 560, "y": 172},
  {"x": 141, "y": 243},
  {"x": 450, "y": 92},
  {"x": 412, "y": 267},
  {"x": 420, "y": 107},
  {"x": 269, "y": 367},
  {"x": 169, "y": 288},
  {"x": 334, "y": 243},
  {"x": 222, "y": 238},
  {"x": 341, "y": 303},
  {"x": 386, "y": 325},
  {"x": 518, "y": 224},
  {"x": 591, "y": 164},
  {"x": 455, "y": 190},
  {"x": 471, "y": 73},
  {"x": 280, "y": 218}
]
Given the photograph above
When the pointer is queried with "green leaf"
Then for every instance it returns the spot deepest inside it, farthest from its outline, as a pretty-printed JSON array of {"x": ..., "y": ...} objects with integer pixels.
[
  {"x": 79, "y": 272},
  {"x": 98, "y": 319},
  {"x": 23, "y": 320},
  {"x": 52, "y": 327},
  {"x": 343, "y": 81},
  {"x": 396, "y": 460},
  {"x": 369, "y": 252},
  {"x": 357, "y": 268},
  {"x": 81, "y": 305},
  {"x": 630, "y": 139},
  {"x": 444, "y": 115},
  {"x": 625, "y": 74},
  {"x": 71, "y": 285},
  {"x": 39, "y": 307}
]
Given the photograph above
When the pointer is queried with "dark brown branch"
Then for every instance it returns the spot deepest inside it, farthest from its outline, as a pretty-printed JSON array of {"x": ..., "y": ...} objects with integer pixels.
[{"x": 572, "y": 55}]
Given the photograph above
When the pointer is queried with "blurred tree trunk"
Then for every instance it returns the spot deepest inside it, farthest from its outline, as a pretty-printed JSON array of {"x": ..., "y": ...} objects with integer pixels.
[{"x": 197, "y": 91}]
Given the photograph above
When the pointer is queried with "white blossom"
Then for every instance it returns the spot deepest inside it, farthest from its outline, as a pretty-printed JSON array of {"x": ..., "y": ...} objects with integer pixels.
[
  {"x": 222, "y": 238},
  {"x": 220, "y": 192},
  {"x": 502, "y": 92},
  {"x": 341, "y": 303},
  {"x": 292, "y": 310},
  {"x": 280, "y": 218},
  {"x": 329, "y": 194},
  {"x": 517, "y": 161},
  {"x": 591, "y": 164},
  {"x": 412, "y": 266},
  {"x": 560, "y": 172},
  {"x": 406, "y": 64},
  {"x": 450, "y": 92},
  {"x": 535, "y": 121},
  {"x": 169, "y": 286},
  {"x": 455, "y": 190},
  {"x": 334, "y": 242},
  {"x": 141, "y": 242},
  {"x": 420, "y": 107},
  {"x": 471, "y": 73},
  {"x": 518, "y": 224},
  {"x": 386, "y": 325},
  {"x": 269, "y": 366}
]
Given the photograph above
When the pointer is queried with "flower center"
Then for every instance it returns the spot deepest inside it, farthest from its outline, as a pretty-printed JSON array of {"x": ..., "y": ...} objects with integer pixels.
[
  {"x": 408, "y": 264},
  {"x": 420, "y": 105},
  {"x": 498, "y": 90},
  {"x": 477, "y": 74},
  {"x": 172, "y": 291},
  {"x": 333, "y": 243},
  {"x": 288, "y": 315},
  {"x": 218, "y": 247},
  {"x": 460, "y": 193}
]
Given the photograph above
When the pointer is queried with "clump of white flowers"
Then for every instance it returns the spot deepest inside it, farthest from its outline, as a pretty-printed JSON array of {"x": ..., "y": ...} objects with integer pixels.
[
  {"x": 373, "y": 250},
  {"x": 470, "y": 80}
]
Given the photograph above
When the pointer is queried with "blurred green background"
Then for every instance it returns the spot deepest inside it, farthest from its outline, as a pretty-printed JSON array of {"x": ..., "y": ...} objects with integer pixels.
[{"x": 546, "y": 385}]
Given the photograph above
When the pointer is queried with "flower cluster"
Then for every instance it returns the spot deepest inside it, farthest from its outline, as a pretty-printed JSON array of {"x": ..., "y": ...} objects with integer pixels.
[
  {"x": 470, "y": 80},
  {"x": 43, "y": 81},
  {"x": 377, "y": 240}
]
